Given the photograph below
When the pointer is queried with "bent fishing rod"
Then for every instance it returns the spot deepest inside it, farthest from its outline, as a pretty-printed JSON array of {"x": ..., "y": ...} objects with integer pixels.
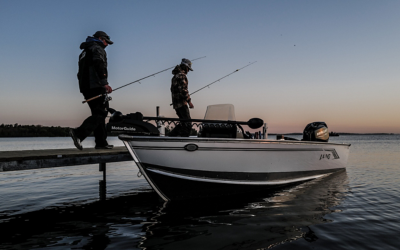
[
  {"x": 220, "y": 79},
  {"x": 109, "y": 98}
]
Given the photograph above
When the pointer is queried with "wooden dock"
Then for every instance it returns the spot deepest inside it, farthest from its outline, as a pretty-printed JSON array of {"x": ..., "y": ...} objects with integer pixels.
[{"x": 50, "y": 158}]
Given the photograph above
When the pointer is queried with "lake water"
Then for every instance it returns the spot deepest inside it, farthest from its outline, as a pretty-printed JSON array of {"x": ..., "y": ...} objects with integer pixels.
[{"x": 59, "y": 208}]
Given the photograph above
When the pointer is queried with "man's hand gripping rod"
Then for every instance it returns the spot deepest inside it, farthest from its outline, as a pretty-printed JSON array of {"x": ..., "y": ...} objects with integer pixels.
[{"x": 95, "y": 97}]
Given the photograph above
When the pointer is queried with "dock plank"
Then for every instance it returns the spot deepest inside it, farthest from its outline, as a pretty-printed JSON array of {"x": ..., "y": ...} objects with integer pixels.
[{"x": 48, "y": 158}]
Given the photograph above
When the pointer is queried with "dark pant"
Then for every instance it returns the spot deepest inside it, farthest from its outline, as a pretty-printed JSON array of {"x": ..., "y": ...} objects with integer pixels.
[
  {"x": 184, "y": 129},
  {"x": 95, "y": 123}
]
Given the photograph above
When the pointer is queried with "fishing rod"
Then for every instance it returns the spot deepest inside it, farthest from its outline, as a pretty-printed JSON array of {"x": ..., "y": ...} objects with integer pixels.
[
  {"x": 109, "y": 98},
  {"x": 220, "y": 79}
]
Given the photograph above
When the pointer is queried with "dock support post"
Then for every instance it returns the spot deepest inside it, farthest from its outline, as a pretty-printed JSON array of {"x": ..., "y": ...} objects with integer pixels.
[
  {"x": 102, "y": 183},
  {"x": 102, "y": 168}
]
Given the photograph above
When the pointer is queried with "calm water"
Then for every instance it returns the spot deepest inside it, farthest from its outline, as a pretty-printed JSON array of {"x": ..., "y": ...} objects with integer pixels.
[{"x": 60, "y": 209}]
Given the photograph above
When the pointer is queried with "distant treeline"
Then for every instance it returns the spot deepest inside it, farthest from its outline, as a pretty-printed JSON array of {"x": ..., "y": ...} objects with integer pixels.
[
  {"x": 345, "y": 133},
  {"x": 16, "y": 130}
]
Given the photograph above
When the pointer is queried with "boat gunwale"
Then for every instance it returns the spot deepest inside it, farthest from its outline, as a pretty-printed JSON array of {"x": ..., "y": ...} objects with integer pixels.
[{"x": 125, "y": 137}]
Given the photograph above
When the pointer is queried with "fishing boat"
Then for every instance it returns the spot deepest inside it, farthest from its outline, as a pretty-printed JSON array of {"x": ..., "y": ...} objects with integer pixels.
[
  {"x": 224, "y": 160},
  {"x": 333, "y": 133}
]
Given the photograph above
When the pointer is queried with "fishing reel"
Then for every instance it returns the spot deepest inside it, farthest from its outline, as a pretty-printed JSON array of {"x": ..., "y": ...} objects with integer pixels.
[{"x": 107, "y": 99}]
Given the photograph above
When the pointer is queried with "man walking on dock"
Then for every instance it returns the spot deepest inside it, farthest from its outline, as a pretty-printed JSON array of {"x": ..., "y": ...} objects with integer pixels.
[
  {"x": 92, "y": 76},
  {"x": 181, "y": 97}
]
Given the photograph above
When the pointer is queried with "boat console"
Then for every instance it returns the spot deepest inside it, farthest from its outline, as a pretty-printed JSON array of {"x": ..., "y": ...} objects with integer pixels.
[{"x": 221, "y": 130}]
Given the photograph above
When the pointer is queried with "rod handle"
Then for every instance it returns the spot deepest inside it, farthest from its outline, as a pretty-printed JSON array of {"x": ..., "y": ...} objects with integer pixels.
[{"x": 88, "y": 100}]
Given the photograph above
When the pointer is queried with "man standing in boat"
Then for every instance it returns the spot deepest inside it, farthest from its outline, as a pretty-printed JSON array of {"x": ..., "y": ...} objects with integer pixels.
[
  {"x": 92, "y": 78},
  {"x": 181, "y": 98}
]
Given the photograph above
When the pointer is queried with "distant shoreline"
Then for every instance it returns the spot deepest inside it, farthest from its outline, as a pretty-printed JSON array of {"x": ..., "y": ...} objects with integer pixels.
[
  {"x": 340, "y": 133},
  {"x": 16, "y": 130}
]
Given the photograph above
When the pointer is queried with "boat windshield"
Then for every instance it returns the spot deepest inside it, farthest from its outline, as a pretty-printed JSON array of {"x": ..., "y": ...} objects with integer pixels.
[{"x": 220, "y": 112}]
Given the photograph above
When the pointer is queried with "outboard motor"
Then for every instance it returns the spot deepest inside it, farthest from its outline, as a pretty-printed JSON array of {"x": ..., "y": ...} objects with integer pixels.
[
  {"x": 131, "y": 124},
  {"x": 316, "y": 131}
]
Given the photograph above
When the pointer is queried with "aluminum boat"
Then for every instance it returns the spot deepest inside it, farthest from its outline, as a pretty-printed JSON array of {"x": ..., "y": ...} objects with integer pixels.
[{"x": 180, "y": 168}]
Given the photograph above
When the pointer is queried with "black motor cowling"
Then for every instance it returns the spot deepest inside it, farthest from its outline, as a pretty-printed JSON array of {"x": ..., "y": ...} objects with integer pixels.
[
  {"x": 131, "y": 124},
  {"x": 316, "y": 131}
]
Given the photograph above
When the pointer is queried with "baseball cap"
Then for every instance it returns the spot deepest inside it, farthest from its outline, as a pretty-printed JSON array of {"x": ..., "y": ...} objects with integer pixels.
[
  {"x": 104, "y": 36},
  {"x": 187, "y": 62}
]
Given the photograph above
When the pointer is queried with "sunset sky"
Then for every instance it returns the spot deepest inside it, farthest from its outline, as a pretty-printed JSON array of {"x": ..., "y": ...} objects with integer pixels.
[{"x": 331, "y": 61}]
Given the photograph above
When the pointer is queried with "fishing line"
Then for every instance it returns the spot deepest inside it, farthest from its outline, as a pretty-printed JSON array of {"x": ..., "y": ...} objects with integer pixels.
[{"x": 221, "y": 78}]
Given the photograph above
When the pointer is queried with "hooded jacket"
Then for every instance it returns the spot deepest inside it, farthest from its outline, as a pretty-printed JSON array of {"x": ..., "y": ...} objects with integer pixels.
[
  {"x": 179, "y": 87},
  {"x": 92, "y": 65}
]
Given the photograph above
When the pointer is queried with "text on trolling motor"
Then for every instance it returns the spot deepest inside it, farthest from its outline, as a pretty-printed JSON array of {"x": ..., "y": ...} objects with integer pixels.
[{"x": 123, "y": 128}]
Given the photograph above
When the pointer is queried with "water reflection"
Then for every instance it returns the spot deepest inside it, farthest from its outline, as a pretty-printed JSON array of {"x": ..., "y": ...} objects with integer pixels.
[
  {"x": 252, "y": 223},
  {"x": 142, "y": 221}
]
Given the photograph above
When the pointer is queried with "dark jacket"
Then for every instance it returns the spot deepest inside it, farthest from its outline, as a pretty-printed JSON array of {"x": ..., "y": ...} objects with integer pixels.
[
  {"x": 92, "y": 65},
  {"x": 179, "y": 88}
]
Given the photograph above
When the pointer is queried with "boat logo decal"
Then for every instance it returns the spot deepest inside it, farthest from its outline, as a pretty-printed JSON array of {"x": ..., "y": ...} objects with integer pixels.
[
  {"x": 191, "y": 147},
  {"x": 328, "y": 156}
]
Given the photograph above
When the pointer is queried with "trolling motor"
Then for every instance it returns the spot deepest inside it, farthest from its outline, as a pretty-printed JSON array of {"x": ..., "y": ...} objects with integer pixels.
[{"x": 131, "y": 124}]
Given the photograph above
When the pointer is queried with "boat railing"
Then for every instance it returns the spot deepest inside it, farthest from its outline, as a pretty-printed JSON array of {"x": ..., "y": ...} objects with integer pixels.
[{"x": 228, "y": 126}]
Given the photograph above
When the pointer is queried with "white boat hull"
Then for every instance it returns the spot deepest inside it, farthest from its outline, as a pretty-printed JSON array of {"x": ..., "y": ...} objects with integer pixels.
[{"x": 183, "y": 168}]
